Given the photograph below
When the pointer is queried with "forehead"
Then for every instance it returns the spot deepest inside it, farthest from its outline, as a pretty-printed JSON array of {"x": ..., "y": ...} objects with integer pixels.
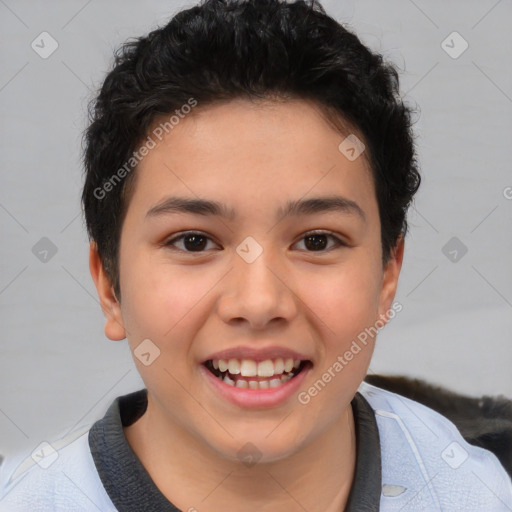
[{"x": 245, "y": 154}]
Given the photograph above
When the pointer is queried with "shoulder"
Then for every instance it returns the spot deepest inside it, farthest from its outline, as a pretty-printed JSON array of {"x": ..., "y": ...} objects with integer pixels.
[
  {"x": 57, "y": 476},
  {"x": 427, "y": 464}
]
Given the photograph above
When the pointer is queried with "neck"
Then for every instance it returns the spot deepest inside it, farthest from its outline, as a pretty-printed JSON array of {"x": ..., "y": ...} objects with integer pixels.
[{"x": 318, "y": 477}]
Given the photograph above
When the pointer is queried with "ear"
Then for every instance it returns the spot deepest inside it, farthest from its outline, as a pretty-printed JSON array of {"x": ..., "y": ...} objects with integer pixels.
[
  {"x": 390, "y": 279},
  {"x": 114, "y": 326}
]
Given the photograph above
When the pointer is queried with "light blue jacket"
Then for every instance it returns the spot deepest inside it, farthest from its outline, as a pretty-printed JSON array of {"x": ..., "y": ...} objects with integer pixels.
[{"x": 426, "y": 467}]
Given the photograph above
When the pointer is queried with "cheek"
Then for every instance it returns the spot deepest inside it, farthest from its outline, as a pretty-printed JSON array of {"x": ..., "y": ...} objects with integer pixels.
[
  {"x": 159, "y": 300},
  {"x": 345, "y": 300},
  {"x": 344, "y": 307}
]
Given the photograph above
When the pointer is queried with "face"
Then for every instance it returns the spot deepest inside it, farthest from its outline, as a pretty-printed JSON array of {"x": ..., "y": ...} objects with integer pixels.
[{"x": 250, "y": 238}]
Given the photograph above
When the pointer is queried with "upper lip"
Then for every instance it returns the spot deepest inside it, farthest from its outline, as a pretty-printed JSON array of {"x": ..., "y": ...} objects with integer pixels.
[{"x": 257, "y": 354}]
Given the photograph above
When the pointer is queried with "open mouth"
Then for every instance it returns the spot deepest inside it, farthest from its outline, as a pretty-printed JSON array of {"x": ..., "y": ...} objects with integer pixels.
[{"x": 249, "y": 374}]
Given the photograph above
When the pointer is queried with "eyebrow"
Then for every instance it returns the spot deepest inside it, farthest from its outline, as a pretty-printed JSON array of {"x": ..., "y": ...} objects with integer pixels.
[{"x": 292, "y": 208}]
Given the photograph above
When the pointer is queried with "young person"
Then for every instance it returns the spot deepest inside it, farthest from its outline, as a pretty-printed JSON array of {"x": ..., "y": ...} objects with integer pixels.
[{"x": 248, "y": 171}]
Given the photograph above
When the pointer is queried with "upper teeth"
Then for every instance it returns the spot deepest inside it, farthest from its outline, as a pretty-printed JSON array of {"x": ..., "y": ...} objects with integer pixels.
[{"x": 251, "y": 368}]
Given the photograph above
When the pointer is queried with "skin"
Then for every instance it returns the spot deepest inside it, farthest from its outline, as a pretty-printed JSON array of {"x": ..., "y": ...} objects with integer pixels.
[{"x": 253, "y": 157}]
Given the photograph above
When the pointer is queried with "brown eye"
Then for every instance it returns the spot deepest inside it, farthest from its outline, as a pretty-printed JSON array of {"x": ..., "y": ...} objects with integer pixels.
[
  {"x": 194, "y": 242},
  {"x": 318, "y": 242},
  {"x": 189, "y": 242}
]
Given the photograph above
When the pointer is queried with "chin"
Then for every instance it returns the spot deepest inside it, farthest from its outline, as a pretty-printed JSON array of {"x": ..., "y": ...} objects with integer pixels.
[{"x": 255, "y": 449}]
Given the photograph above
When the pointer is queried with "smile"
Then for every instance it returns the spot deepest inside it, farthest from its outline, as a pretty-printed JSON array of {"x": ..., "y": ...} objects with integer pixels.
[{"x": 254, "y": 375}]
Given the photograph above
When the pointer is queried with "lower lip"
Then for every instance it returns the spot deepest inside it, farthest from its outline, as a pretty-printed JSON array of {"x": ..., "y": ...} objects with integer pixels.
[{"x": 256, "y": 398}]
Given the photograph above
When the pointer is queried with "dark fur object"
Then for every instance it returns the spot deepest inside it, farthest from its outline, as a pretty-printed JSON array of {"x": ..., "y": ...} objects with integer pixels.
[{"x": 484, "y": 422}]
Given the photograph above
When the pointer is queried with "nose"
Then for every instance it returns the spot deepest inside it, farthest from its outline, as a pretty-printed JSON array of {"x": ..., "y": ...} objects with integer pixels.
[{"x": 257, "y": 294}]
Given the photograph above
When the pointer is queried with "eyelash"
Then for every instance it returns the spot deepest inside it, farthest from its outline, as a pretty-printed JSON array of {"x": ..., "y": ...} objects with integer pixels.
[{"x": 338, "y": 243}]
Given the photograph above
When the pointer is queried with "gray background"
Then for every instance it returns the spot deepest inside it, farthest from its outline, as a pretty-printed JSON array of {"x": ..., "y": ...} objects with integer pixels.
[{"x": 58, "y": 369}]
